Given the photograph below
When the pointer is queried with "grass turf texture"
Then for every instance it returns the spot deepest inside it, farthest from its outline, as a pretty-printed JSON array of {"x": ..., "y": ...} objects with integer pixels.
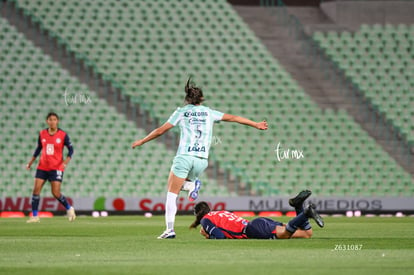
[{"x": 128, "y": 244}]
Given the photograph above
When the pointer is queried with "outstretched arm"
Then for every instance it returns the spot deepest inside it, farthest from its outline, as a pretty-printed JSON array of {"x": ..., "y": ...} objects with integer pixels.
[
  {"x": 154, "y": 134},
  {"x": 258, "y": 125}
]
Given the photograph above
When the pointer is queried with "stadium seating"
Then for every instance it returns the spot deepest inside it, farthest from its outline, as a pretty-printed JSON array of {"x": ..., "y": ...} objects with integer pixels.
[
  {"x": 379, "y": 61},
  {"x": 149, "y": 48},
  {"x": 31, "y": 85}
]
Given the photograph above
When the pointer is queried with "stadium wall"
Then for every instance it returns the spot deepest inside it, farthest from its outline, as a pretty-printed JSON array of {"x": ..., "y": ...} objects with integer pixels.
[
  {"x": 273, "y": 2},
  {"x": 327, "y": 205}
]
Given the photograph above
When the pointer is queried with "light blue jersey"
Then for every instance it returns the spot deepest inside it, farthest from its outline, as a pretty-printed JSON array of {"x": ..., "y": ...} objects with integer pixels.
[{"x": 196, "y": 125}]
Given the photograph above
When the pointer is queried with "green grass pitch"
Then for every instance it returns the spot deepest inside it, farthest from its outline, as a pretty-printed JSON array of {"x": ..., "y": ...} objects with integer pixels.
[{"x": 128, "y": 245}]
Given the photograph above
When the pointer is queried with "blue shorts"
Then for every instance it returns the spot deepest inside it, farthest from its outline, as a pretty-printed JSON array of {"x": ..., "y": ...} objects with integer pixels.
[
  {"x": 262, "y": 228},
  {"x": 53, "y": 175},
  {"x": 189, "y": 167}
]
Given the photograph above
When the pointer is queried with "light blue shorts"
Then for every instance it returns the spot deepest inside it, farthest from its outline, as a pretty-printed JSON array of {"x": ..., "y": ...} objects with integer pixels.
[{"x": 189, "y": 167}]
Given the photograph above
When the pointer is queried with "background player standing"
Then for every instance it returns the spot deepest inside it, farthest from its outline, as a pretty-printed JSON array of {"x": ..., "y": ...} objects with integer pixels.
[{"x": 51, "y": 165}]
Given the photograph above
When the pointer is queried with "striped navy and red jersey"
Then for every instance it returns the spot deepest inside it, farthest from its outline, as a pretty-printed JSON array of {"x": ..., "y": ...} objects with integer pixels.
[
  {"x": 51, "y": 147},
  {"x": 224, "y": 225}
]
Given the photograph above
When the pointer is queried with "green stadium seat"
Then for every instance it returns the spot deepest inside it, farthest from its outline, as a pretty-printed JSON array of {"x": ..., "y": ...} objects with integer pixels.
[
  {"x": 142, "y": 54},
  {"x": 384, "y": 41}
]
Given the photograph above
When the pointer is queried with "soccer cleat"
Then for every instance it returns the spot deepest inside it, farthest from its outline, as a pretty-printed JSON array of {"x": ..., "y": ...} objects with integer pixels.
[
  {"x": 193, "y": 192},
  {"x": 71, "y": 214},
  {"x": 167, "y": 234},
  {"x": 310, "y": 212},
  {"x": 33, "y": 220},
  {"x": 297, "y": 201}
]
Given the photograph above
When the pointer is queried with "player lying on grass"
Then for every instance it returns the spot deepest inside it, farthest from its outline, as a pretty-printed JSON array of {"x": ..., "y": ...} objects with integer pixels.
[
  {"x": 196, "y": 127},
  {"x": 226, "y": 225},
  {"x": 51, "y": 165}
]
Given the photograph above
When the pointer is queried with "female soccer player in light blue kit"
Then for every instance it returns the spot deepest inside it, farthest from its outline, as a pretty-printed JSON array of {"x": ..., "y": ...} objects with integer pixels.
[{"x": 196, "y": 125}]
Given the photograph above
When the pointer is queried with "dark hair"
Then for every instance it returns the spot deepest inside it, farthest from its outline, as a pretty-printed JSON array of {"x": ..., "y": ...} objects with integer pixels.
[
  {"x": 52, "y": 114},
  {"x": 193, "y": 94},
  {"x": 200, "y": 210}
]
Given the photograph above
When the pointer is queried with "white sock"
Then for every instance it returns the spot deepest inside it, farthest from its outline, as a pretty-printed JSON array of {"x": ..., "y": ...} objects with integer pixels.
[
  {"x": 170, "y": 210},
  {"x": 187, "y": 185}
]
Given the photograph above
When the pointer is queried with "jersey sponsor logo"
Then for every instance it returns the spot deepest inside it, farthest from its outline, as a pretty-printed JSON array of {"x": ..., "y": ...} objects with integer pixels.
[
  {"x": 50, "y": 149},
  {"x": 196, "y": 148},
  {"x": 188, "y": 114},
  {"x": 195, "y": 120}
]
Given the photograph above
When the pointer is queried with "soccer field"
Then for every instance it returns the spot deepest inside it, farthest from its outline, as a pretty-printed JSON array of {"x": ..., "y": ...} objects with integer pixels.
[{"x": 128, "y": 245}]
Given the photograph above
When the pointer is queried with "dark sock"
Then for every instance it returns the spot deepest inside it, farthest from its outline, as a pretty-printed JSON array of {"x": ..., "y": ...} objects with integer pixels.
[
  {"x": 296, "y": 222},
  {"x": 299, "y": 210},
  {"x": 35, "y": 205},
  {"x": 306, "y": 225},
  {"x": 64, "y": 202}
]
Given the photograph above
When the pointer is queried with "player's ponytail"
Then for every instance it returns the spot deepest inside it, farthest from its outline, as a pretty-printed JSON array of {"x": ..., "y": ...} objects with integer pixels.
[
  {"x": 193, "y": 94},
  {"x": 200, "y": 210}
]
